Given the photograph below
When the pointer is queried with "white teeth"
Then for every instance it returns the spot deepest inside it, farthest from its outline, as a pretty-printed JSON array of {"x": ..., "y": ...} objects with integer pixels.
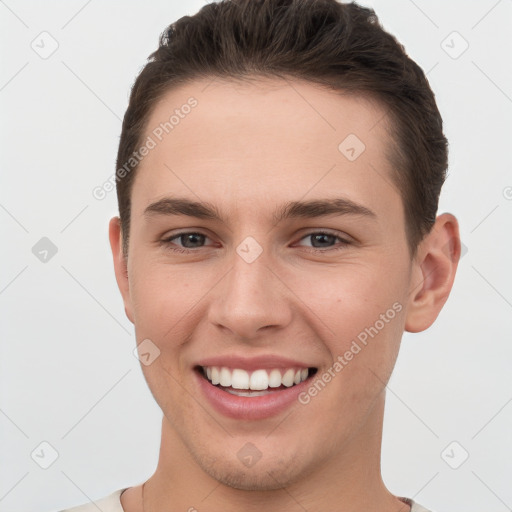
[
  {"x": 287, "y": 378},
  {"x": 225, "y": 377},
  {"x": 274, "y": 379},
  {"x": 215, "y": 374},
  {"x": 240, "y": 379},
  {"x": 237, "y": 392},
  {"x": 258, "y": 380}
]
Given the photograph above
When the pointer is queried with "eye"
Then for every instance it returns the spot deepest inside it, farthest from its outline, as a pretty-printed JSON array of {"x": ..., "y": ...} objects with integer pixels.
[
  {"x": 323, "y": 241},
  {"x": 189, "y": 241}
]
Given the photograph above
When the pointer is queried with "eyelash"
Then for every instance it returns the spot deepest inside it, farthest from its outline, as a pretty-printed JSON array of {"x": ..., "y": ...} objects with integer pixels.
[{"x": 168, "y": 241}]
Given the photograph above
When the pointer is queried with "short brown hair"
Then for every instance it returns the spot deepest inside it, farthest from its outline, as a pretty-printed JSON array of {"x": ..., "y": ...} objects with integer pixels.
[{"x": 341, "y": 46}]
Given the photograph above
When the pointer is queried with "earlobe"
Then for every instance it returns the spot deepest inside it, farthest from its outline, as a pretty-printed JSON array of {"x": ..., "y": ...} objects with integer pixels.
[
  {"x": 120, "y": 264},
  {"x": 433, "y": 274}
]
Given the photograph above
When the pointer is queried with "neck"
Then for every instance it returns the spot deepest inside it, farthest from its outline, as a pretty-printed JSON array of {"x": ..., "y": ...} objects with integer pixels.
[{"x": 348, "y": 482}]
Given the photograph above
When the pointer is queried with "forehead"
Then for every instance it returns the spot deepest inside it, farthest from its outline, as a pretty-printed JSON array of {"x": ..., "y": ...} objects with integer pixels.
[
  {"x": 248, "y": 141},
  {"x": 281, "y": 109}
]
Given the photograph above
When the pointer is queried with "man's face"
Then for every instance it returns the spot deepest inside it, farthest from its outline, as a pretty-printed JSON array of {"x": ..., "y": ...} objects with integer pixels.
[{"x": 254, "y": 291}]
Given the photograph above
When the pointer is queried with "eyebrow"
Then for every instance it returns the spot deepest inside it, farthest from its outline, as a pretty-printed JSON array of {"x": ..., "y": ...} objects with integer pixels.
[{"x": 291, "y": 209}]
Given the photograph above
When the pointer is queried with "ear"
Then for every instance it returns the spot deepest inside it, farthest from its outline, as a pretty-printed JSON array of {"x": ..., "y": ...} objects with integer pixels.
[
  {"x": 120, "y": 264},
  {"x": 433, "y": 273}
]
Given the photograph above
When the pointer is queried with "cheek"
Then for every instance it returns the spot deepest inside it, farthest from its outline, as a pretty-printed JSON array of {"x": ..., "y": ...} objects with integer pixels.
[
  {"x": 352, "y": 299},
  {"x": 166, "y": 301},
  {"x": 362, "y": 313}
]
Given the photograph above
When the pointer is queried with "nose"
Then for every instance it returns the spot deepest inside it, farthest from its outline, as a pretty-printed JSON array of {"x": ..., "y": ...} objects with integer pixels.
[{"x": 250, "y": 300}]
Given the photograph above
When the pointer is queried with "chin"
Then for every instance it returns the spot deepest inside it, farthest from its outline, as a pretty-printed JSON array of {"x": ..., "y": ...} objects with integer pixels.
[
  {"x": 261, "y": 479},
  {"x": 265, "y": 475}
]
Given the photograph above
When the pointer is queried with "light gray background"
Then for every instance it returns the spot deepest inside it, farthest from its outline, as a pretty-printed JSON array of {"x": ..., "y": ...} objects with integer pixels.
[{"x": 68, "y": 374}]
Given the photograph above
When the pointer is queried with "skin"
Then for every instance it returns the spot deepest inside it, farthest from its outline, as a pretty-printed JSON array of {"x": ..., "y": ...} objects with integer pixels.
[{"x": 247, "y": 148}]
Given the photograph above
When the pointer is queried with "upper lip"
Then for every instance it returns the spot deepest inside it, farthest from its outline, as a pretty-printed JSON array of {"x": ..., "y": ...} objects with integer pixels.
[{"x": 253, "y": 363}]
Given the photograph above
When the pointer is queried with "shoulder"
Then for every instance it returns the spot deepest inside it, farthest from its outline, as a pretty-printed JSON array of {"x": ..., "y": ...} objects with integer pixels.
[
  {"x": 415, "y": 507},
  {"x": 110, "y": 503}
]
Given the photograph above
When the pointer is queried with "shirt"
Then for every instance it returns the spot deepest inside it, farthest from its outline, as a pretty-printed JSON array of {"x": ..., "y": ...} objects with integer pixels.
[{"x": 112, "y": 503}]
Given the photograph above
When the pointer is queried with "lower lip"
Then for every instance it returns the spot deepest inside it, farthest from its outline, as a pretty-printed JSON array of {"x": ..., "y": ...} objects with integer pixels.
[{"x": 247, "y": 408}]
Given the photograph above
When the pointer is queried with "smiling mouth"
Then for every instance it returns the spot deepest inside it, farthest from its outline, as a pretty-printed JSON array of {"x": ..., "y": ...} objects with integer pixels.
[{"x": 259, "y": 382}]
